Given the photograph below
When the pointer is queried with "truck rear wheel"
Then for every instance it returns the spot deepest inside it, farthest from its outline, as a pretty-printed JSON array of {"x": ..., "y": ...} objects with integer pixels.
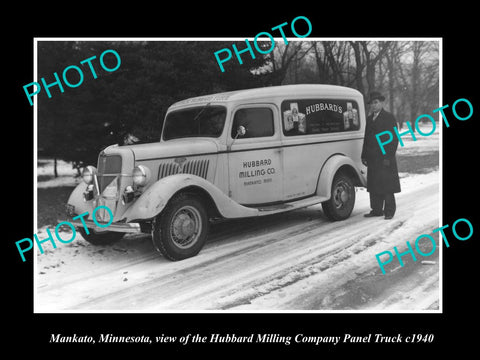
[
  {"x": 342, "y": 199},
  {"x": 180, "y": 231}
]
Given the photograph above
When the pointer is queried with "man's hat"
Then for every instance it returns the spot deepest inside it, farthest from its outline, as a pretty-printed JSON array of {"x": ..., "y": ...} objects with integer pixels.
[{"x": 376, "y": 95}]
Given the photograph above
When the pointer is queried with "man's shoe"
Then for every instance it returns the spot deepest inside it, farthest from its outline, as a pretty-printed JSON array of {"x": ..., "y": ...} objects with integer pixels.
[
  {"x": 372, "y": 214},
  {"x": 388, "y": 217}
]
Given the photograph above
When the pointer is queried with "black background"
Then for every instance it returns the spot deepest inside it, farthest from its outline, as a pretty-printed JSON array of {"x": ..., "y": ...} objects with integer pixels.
[{"x": 455, "y": 329}]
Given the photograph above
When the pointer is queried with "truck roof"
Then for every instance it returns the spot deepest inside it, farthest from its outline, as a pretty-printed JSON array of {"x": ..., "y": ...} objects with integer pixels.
[{"x": 297, "y": 90}]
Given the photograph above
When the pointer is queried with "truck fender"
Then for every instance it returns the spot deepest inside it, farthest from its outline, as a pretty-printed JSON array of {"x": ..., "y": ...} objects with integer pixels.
[
  {"x": 156, "y": 197},
  {"x": 76, "y": 199},
  {"x": 330, "y": 168}
]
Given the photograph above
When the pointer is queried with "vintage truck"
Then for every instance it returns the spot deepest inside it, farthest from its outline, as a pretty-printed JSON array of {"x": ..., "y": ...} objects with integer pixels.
[{"x": 230, "y": 155}]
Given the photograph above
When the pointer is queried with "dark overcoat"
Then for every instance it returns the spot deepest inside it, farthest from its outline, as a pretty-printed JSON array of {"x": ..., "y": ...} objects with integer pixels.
[{"x": 382, "y": 176}]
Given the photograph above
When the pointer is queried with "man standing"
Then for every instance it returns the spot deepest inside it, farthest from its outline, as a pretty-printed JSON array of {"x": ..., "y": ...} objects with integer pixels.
[{"x": 382, "y": 175}]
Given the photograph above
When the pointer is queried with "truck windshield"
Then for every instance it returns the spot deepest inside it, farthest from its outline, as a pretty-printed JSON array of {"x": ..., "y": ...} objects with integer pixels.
[{"x": 194, "y": 122}]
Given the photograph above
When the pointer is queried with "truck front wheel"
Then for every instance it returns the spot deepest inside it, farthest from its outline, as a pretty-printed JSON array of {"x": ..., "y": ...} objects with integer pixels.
[{"x": 181, "y": 229}]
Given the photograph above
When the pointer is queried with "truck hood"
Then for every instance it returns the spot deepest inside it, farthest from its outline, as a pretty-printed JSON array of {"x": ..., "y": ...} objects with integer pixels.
[{"x": 167, "y": 149}]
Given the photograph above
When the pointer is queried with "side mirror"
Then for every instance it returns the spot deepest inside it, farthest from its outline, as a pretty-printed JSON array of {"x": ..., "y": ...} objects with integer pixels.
[{"x": 241, "y": 131}]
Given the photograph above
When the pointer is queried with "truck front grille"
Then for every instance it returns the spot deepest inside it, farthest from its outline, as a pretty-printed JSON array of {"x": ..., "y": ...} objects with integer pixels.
[
  {"x": 109, "y": 171},
  {"x": 109, "y": 167}
]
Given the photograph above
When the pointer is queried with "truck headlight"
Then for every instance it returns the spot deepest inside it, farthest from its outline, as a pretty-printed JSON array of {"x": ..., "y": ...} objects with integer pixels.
[
  {"x": 88, "y": 173},
  {"x": 141, "y": 175}
]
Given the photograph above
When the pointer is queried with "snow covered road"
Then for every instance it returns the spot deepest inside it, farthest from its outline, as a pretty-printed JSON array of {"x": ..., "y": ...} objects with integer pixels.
[{"x": 292, "y": 261}]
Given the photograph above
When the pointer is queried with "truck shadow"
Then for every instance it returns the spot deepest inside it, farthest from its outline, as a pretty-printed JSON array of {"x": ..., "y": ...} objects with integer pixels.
[{"x": 247, "y": 227}]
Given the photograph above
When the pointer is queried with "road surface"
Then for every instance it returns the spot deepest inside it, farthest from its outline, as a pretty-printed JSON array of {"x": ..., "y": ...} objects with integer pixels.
[{"x": 295, "y": 261}]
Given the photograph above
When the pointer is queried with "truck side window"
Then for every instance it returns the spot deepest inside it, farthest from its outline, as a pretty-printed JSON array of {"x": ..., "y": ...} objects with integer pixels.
[{"x": 258, "y": 122}]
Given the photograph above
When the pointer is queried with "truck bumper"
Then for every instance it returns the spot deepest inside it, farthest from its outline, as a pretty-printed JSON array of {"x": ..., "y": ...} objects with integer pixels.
[{"x": 116, "y": 227}]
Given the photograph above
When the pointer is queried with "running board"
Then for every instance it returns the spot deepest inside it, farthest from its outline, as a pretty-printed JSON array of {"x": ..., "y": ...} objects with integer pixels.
[{"x": 278, "y": 208}]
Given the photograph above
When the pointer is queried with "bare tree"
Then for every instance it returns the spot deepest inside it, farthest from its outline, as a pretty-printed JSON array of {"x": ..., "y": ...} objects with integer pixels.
[
  {"x": 281, "y": 58},
  {"x": 359, "y": 65},
  {"x": 418, "y": 77},
  {"x": 322, "y": 66},
  {"x": 373, "y": 53},
  {"x": 334, "y": 54},
  {"x": 406, "y": 71},
  {"x": 393, "y": 65}
]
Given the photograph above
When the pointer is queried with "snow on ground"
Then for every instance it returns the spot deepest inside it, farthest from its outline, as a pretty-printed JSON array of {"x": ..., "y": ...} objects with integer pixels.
[
  {"x": 422, "y": 144},
  {"x": 66, "y": 174},
  {"x": 296, "y": 261},
  {"x": 292, "y": 261}
]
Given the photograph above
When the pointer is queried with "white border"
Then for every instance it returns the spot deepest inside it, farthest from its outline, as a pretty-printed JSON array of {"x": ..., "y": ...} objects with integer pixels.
[{"x": 35, "y": 200}]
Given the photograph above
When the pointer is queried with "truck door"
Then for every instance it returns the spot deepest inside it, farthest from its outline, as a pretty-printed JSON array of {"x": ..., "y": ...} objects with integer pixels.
[{"x": 255, "y": 158}]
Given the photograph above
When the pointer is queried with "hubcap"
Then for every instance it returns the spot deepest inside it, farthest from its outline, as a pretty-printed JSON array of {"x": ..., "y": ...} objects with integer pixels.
[
  {"x": 341, "y": 194},
  {"x": 186, "y": 227}
]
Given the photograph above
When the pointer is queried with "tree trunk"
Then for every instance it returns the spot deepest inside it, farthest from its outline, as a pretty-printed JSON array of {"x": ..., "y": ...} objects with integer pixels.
[
  {"x": 414, "y": 78},
  {"x": 358, "y": 66},
  {"x": 320, "y": 65},
  {"x": 55, "y": 172},
  {"x": 391, "y": 81}
]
